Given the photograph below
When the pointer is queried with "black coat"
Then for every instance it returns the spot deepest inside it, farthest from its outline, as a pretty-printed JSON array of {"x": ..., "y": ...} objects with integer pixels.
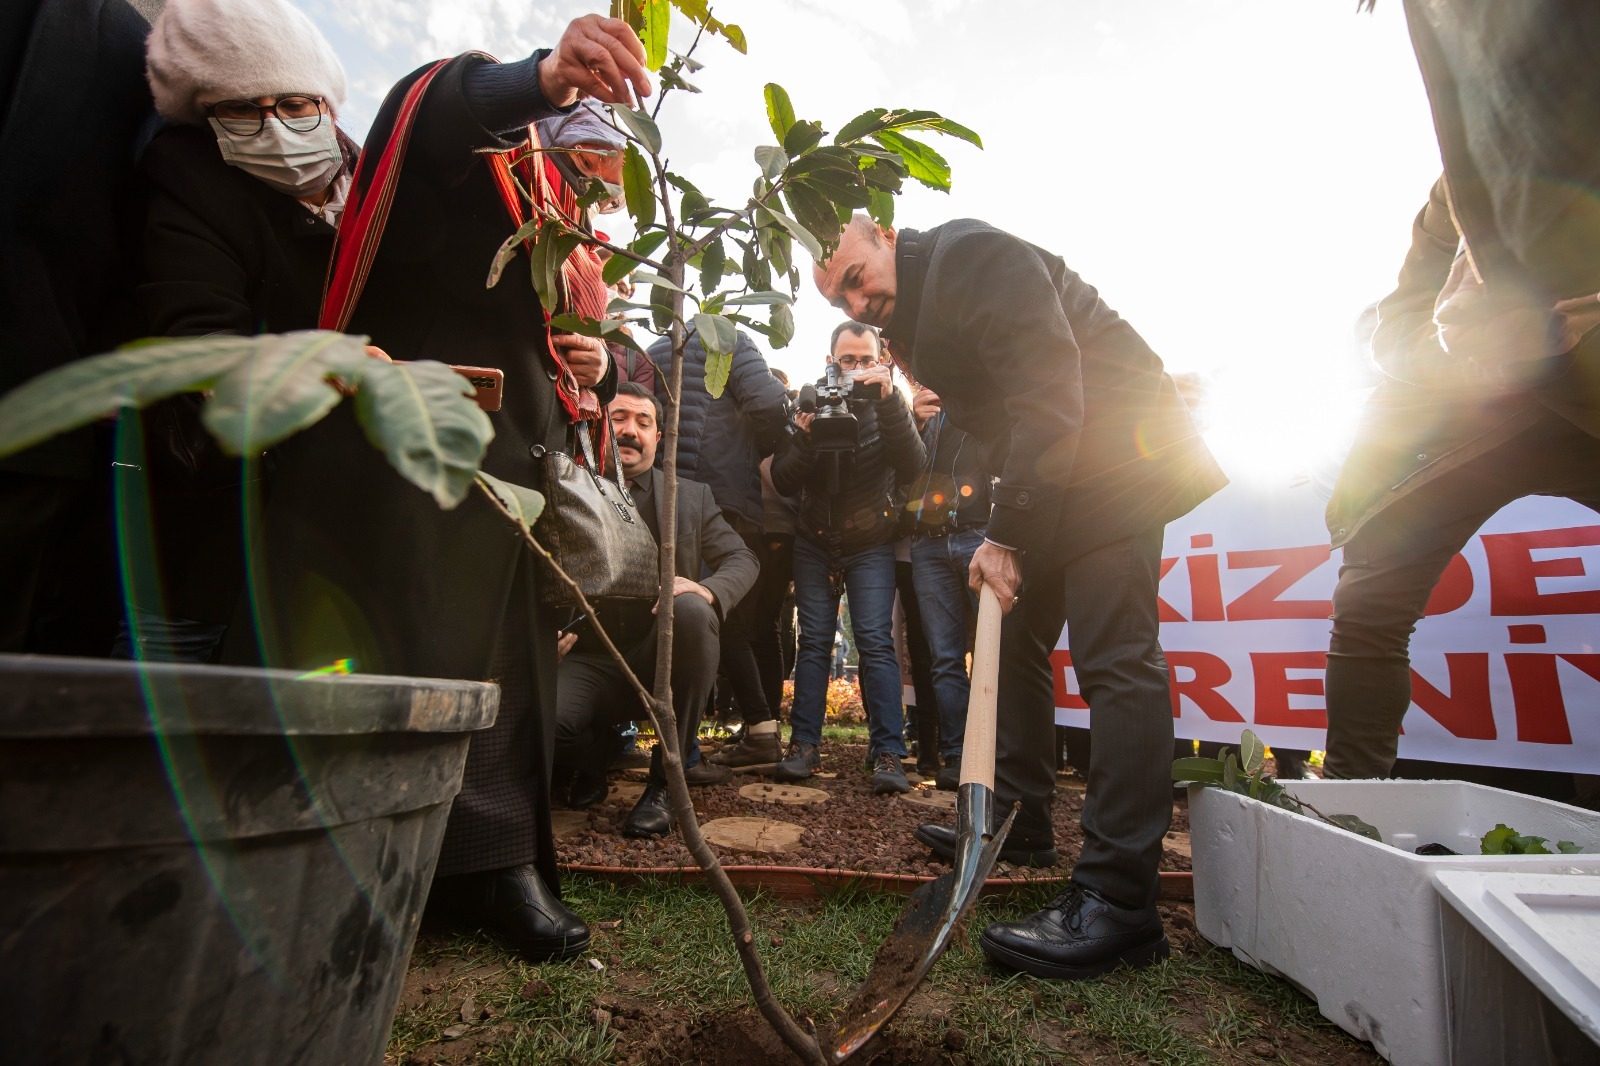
[
  {"x": 953, "y": 489},
  {"x": 722, "y": 441},
  {"x": 865, "y": 511},
  {"x": 1088, "y": 434},
  {"x": 359, "y": 563}
]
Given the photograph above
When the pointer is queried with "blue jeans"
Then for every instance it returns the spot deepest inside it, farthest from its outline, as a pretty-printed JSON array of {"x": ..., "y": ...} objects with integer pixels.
[
  {"x": 869, "y": 581},
  {"x": 939, "y": 571}
]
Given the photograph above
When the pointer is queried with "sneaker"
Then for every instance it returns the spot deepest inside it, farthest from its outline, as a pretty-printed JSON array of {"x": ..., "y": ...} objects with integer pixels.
[
  {"x": 888, "y": 775},
  {"x": 754, "y": 749},
  {"x": 949, "y": 779},
  {"x": 802, "y": 761}
]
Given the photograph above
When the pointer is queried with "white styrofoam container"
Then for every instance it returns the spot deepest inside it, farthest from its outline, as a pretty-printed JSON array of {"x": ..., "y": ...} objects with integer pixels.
[
  {"x": 1522, "y": 961},
  {"x": 1351, "y": 922}
]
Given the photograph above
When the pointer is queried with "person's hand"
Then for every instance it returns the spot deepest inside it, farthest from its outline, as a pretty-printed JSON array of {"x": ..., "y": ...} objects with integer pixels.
[
  {"x": 596, "y": 57},
  {"x": 1510, "y": 335},
  {"x": 585, "y": 356},
  {"x": 682, "y": 585},
  {"x": 925, "y": 404},
  {"x": 564, "y": 644},
  {"x": 996, "y": 567},
  {"x": 803, "y": 420},
  {"x": 877, "y": 375}
]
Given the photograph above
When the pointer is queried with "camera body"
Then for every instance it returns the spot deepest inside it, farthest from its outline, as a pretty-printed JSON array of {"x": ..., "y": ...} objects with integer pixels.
[{"x": 834, "y": 429}]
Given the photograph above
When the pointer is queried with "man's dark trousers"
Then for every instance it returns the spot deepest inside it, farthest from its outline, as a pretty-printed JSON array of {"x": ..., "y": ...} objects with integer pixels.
[
  {"x": 593, "y": 697},
  {"x": 1106, "y": 597},
  {"x": 1393, "y": 562}
]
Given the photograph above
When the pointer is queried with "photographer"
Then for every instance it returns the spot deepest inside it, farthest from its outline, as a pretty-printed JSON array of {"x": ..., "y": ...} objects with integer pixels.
[{"x": 854, "y": 442}]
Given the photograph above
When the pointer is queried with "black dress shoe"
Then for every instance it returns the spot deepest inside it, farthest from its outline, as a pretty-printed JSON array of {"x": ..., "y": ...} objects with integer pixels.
[
  {"x": 652, "y": 815},
  {"x": 704, "y": 773},
  {"x": 1018, "y": 850},
  {"x": 516, "y": 904},
  {"x": 1080, "y": 934},
  {"x": 588, "y": 788}
]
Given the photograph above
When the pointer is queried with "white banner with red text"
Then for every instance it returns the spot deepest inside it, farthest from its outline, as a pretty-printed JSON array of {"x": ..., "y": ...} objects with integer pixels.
[{"x": 1505, "y": 665}]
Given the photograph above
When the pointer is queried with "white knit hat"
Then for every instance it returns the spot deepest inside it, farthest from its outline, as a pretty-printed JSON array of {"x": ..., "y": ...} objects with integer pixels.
[{"x": 237, "y": 50}]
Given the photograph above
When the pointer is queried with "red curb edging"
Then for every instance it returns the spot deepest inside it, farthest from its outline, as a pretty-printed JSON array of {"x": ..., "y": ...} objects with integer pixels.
[{"x": 799, "y": 882}]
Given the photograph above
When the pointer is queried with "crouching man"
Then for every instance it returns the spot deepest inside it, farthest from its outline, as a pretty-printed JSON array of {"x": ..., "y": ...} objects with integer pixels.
[{"x": 592, "y": 696}]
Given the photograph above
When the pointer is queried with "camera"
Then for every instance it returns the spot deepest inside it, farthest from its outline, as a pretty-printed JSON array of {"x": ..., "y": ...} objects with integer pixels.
[{"x": 835, "y": 428}]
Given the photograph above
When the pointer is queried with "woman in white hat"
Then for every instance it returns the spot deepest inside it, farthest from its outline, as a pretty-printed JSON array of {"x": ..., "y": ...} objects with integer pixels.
[{"x": 244, "y": 189}]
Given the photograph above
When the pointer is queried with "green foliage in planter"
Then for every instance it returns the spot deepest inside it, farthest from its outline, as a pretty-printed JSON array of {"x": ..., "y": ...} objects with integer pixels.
[
  {"x": 1503, "y": 840},
  {"x": 264, "y": 390},
  {"x": 1246, "y": 774}
]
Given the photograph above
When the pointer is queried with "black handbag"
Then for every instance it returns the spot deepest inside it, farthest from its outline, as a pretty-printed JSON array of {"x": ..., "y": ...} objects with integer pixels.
[{"x": 594, "y": 530}]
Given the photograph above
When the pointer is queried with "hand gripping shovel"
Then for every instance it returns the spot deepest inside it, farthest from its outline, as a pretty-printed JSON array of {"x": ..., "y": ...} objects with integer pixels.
[{"x": 924, "y": 928}]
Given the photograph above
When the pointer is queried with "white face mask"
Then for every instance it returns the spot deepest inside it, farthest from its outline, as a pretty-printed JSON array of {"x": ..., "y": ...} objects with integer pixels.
[{"x": 298, "y": 164}]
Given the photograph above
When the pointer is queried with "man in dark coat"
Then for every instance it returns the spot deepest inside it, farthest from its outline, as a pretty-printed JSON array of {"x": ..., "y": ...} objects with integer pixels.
[
  {"x": 72, "y": 102},
  {"x": 715, "y": 571},
  {"x": 721, "y": 442},
  {"x": 357, "y": 563},
  {"x": 1095, "y": 452},
  {"x": 1491, "y": 360}
]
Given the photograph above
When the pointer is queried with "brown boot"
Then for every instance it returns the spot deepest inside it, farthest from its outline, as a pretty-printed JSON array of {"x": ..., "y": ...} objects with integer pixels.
[{"x": 755, "y": 749}]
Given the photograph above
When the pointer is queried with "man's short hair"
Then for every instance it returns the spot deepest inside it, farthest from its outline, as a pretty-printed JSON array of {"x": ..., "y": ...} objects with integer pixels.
[
  {"x": 860, "y": 329},
  {"x": 633, "y": 388}
]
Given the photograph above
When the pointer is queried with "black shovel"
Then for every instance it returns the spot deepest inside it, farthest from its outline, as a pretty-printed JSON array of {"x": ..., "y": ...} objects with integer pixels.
[{"x": 935, "y": 910}]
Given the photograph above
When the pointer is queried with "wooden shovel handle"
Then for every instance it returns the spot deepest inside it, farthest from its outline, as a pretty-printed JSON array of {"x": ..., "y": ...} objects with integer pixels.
[{"x": 977, "y": 748}]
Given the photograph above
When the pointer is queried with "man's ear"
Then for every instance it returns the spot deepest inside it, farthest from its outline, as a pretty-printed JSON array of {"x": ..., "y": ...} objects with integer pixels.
[{"x": 888, "y": 235}]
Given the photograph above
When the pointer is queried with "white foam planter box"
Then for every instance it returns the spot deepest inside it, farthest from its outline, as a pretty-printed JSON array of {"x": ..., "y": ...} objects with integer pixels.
[{"x": 1351, "y": 922}]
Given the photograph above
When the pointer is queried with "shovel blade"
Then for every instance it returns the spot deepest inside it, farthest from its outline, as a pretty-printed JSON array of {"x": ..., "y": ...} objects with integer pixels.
[{"x": 925, "y": 926}]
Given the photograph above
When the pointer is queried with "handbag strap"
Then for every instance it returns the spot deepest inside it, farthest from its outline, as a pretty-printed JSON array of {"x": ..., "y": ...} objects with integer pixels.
[{"x": 586, "y": 446}]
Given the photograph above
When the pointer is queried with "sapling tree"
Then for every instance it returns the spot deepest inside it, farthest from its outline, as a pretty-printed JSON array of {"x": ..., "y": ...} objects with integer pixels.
[{"x": 745, "y": 267}]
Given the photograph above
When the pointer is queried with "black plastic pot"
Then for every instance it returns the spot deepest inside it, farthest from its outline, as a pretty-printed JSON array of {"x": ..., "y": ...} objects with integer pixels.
[{"x": 211, "y": 865}]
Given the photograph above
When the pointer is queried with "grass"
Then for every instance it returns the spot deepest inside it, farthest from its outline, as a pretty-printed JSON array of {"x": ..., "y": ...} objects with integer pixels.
[{"x": 669, "y": 948}]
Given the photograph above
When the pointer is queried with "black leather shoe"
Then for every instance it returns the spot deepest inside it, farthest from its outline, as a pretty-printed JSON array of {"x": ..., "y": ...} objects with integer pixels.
[
  {"x": 651, "y": 816},
  {"x": 516, "y": 904},
  {"x": 704, "y": 773},
  {"x": 1016, "y": 850},
  {"x": 588, "y": 788},
  {"x": 1078, "y": 935}
]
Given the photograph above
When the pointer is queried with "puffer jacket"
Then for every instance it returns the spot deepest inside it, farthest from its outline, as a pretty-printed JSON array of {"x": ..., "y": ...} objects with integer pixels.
[
  {"x": 722, "y": 441},
  {"x": 864, "y": 513}
]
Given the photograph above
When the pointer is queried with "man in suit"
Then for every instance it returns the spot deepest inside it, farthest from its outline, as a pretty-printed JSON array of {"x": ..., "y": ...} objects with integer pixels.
[
  {"x": 591, "y": 695},
  {"x": 1095, "y": 452}
]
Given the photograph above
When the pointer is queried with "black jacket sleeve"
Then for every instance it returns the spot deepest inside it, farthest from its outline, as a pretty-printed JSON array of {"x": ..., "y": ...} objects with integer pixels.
[
  {"x": 792, "y": 464},
  {"x": 907, "y": 454},
  {"x": 758, "y": 395},
  {"x": 733, "y": 566},
  {"x": 1016, "y": 325}
]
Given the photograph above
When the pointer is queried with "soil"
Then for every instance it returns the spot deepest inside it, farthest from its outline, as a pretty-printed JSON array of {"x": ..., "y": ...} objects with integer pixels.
[{"x": 852, "y": 830}]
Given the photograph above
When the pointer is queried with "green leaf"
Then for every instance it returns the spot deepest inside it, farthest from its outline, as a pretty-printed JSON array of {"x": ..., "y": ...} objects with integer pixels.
[
  {"x": 878, "y": 119},
  {"x": 508, "y": 250},
  {"x": 547, "y": 255},
  {"x": 921, "y": 162},
  {"x": 281, "y": 389},
  {"x": 781, "y": 325},
  {"x": 673, "y": 80},
  {"x": 802, "y": 136},
  {"x": 650, "y": 277},
  {"x": 797, "y": 231},
  {"x": 816, "y": 213},
  {"x": 637, "y": 188},
  {"x": 661, "y": 305},
  {"x": 1567, "y": 847},
  {"x": 653, "y": 34},
  {"x": 1230, "y": 772},
  {"x": 701, "y": 13},
  {"x": 712, "y": 261},
  {"x": 768, "y": 296},
  {"x": 880, "y": 207},
  {"x": 423, "y": 418},
  {"x": 1494, "y": 841},
  {"x": 84, "y": 390},
  {"x": 1251, "y": 752},
  {"x": 641, "y": 126},
  {"x": 719, "y": 337},
  {"x": 523, "y": 504},
  {"x": 1194, "y": 768},
  {"x": 1356, "y": 825},
  {"x": 780, "y": 112},
  {"x": 771, "y": 160}
]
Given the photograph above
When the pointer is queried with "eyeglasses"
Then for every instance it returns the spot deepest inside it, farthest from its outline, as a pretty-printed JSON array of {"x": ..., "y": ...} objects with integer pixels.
[
  {"x": 246, "y": 118},
  {"x": 850, "y": 362}
]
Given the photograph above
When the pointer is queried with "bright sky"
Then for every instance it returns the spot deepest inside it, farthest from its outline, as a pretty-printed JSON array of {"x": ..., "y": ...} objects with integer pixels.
[{"x": 1237, "y": 177}]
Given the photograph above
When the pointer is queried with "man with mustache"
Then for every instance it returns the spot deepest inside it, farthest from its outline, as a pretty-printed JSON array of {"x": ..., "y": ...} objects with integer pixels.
[{"x": 592, "y": 696}]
